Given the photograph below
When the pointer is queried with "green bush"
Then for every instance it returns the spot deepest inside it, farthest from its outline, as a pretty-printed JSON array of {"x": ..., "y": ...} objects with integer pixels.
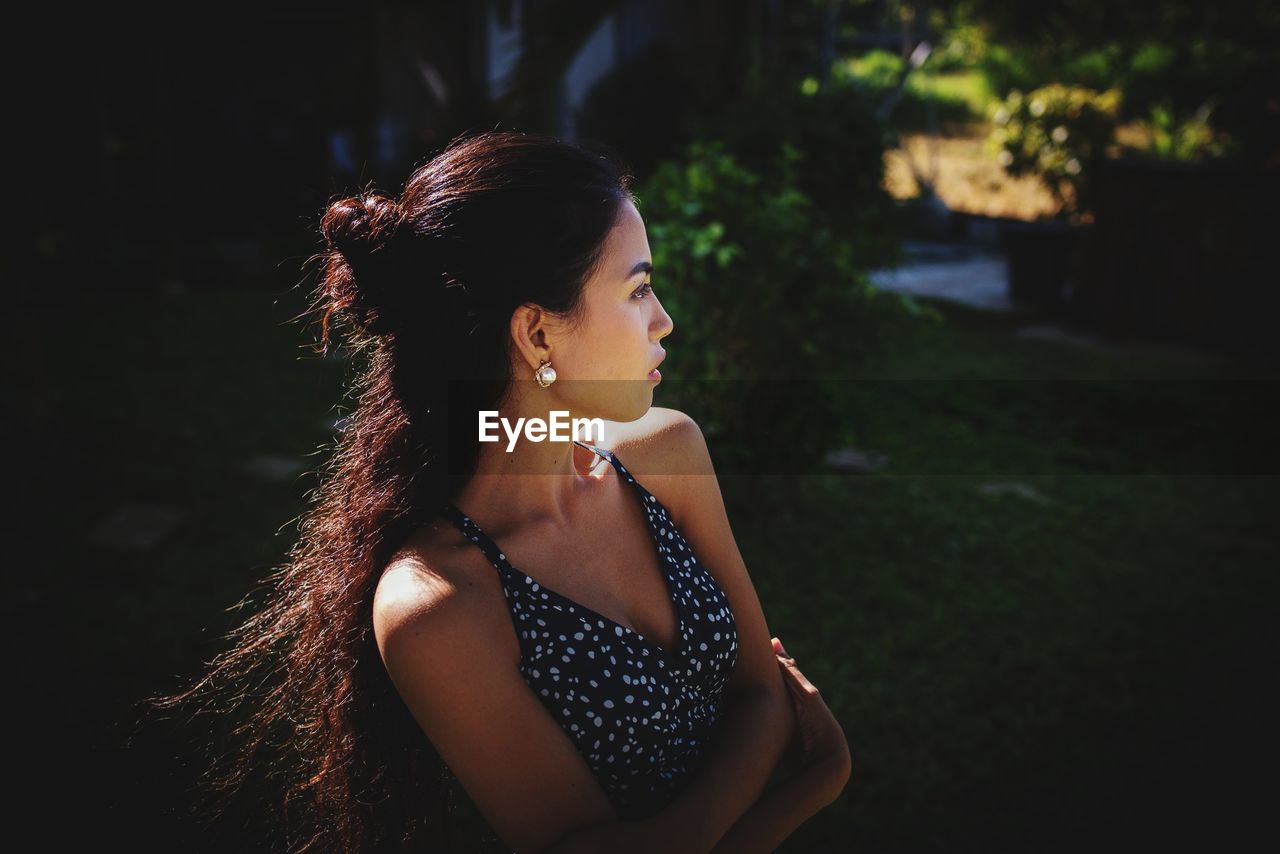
[
  {"x": 1054, "y": 132},
  {"x": 877, "y": 69},
  {"x": 962, "y": 47},
  {"x": 841, "y": 167},
  {"x": 1198, "y": 95},
  {"x": 1189, "y": 139},
  {"x": 1010, "y": 67},
  {"x": 771, "y": 305}
]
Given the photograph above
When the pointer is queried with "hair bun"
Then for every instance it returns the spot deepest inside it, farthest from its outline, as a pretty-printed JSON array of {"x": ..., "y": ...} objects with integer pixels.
[
  {"x": 358, "y": 224},
  {"x": 361, "y": 282}
]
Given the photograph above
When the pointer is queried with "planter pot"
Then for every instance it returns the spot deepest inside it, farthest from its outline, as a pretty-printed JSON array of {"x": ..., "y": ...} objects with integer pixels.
[{"x": 1038, "y": 255}]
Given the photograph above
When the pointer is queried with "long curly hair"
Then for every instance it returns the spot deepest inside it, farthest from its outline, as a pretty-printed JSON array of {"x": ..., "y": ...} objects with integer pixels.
[{"x": 423, "y": 286}]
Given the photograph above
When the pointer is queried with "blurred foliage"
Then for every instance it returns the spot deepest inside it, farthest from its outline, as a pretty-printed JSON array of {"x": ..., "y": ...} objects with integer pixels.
[
  {"x": 1010, "y": 67},
  {"x": 1186, "y": 140},
  {"x": 1054, "y": 132},
  {"x": 963, "y": 94},
  {"x": 961, "y": 48},
  {"x": 1198, "y": 76},
  {"x": 1176, "y": 130},
  {"x": 841, "y": 164},
  {"x": 877, "y": 69},
  {"x": 770, "y": 300},
  {"x": 938, "y": 92}
]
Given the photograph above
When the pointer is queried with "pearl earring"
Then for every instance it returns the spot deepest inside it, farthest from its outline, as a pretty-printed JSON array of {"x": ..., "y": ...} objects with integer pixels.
[{"x": 545, "y": 374}]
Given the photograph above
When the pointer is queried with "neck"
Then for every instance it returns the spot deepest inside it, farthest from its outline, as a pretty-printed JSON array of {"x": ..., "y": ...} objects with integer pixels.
[{"x": 518, "y": 481}]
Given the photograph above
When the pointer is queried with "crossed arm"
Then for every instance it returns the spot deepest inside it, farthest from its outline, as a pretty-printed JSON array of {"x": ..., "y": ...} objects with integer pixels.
[
  {"x": 759, "y": 720},
  {"x": 756, "y": 729},
  {"x": 756, "y": 732},
  {"x": 789, "y": 799}
]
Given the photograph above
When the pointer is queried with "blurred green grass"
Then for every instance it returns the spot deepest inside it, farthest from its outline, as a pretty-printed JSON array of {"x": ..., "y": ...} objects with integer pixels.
[
  {"x": 956, "y": 97},
  {"x": 968, "y": 87},
  {"x": 1007, "y": 671}
]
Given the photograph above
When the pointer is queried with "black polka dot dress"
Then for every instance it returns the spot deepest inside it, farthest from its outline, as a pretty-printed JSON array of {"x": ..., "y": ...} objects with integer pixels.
[{"x": 643, "y": 717}]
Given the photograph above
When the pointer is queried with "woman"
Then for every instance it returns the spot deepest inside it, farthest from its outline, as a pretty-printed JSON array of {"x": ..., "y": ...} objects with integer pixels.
[{"x": 601, "y": 680}]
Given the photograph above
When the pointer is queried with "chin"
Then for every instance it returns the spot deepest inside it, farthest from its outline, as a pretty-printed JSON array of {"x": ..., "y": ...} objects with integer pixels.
[
  {"x": 635, "y": 400},
  {"x": 634, "y": 410}
]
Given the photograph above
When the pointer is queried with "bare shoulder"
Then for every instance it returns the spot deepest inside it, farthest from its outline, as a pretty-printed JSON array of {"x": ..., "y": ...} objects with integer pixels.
[
  {"x": 436, "y": 637},
  {"x": 657, "y": 421},
  {"x": 661, "y": 436},
  {"x": 667, "y": 450},
  {"x": 416, "y": 582},
  {"x": 431, "y": 571}
]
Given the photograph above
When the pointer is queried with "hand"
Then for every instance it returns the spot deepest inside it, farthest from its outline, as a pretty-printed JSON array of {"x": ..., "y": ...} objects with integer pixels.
[{"x": 819, "y": 743}]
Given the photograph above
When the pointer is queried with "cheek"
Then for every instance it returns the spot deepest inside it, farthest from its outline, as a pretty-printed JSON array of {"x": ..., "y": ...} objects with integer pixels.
[
  {"x": 615, "y": 329},
  {"x": 613, "y": 342}
]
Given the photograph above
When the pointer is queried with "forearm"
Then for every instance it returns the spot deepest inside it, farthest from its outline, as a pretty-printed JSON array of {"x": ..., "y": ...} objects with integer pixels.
[
  {"x": 781, "y": 810},
  {"x": 620, "y": 836},
  {"x": 757, "y": 729}
]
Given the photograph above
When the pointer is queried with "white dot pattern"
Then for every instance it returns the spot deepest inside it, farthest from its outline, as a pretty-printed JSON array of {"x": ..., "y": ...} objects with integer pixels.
[{"x": 643, "y": 717}]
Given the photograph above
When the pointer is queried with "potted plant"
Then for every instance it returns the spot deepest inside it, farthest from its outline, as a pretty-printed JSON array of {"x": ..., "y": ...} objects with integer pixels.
[{"x": 1057, "y": 133}]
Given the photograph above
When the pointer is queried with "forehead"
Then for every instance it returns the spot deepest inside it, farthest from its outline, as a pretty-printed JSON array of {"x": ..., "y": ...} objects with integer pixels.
[{"x": 627, "y": 244}]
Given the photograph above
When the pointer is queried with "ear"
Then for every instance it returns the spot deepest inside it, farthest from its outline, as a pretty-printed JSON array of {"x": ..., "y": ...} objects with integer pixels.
[{"x": 528, "y": 331}]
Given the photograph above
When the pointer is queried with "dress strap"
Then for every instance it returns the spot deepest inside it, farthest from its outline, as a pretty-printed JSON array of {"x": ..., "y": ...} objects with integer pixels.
[
  {"x": 472, "y": 532},
  {"x": 612, "y": 458},
  {"x": 600, "y": 452}
]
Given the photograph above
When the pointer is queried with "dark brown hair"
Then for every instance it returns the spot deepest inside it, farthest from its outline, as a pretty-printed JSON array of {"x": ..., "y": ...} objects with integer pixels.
[{"x": 424, "y": 285}]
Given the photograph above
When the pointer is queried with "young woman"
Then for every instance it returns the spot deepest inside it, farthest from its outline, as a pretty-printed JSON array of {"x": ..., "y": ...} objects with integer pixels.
[{"x": 564, "y": 628}]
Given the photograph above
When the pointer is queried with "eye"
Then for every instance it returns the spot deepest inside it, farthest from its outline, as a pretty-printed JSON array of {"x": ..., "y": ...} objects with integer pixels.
[{"x": 645, "y": 290}]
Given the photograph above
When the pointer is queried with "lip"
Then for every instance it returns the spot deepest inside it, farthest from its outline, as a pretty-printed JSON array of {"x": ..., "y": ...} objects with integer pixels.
[{"x": 655, "y": 374}]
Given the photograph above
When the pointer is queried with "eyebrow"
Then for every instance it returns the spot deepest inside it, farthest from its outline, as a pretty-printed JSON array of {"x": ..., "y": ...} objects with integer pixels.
[{"x": 642, "y": 267}]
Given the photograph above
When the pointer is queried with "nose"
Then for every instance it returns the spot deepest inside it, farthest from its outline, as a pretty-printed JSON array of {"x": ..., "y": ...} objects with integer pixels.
[{"x": 665, "y": 325}]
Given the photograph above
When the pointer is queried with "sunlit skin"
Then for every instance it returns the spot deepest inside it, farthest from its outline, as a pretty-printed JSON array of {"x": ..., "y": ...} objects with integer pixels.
[{"x": 602, "y": 370}]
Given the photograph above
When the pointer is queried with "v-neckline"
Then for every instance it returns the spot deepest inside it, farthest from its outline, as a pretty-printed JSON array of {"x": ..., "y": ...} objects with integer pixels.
[{"x": 499, "y": 557}]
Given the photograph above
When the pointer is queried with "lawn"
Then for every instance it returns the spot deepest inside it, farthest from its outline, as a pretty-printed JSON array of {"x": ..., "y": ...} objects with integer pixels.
[
  {"x": 1047, "y": 620},
  {"x": 1037, "y": 627}
]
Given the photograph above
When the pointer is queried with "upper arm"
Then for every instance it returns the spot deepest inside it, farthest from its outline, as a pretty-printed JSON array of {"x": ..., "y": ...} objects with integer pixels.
[
  {"x": 515, "y": 762},
  {"x": 675, "y": 454}
]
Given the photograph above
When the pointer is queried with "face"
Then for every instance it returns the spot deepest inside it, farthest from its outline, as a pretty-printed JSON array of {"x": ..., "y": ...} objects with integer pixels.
[{"x": 603, "y": 365}]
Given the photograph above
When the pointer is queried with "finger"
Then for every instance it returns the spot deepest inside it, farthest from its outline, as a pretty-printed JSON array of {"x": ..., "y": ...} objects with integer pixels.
[
  {"x": 789, "y": 676},
  {"x": 794, "y": 673},
  {"x": 796, "y": 684}
]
